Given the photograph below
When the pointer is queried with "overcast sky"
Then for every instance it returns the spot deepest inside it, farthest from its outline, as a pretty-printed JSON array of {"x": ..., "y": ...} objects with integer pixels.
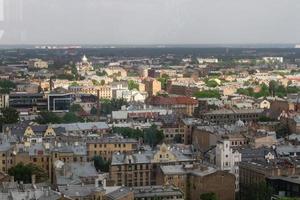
[{"x": 149, "y": 21}]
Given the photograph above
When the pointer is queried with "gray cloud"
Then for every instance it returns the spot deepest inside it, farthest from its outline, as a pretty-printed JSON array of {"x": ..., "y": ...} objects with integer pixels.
[{"x": 151, "y": 21}]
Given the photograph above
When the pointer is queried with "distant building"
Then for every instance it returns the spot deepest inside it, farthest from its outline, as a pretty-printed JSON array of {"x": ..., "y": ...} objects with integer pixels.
[
  {"x": 28, "y": 102},
  {"x": 273, "y": 59},
  {"x": 59, "y": 102},
  {"x": 181, "y": 104},
  {"x": 152, "y": 86},
  {"x": 226, "y": 116},
  {"x": 207, "y": 60},
  {"x": 37, "y": 64}
]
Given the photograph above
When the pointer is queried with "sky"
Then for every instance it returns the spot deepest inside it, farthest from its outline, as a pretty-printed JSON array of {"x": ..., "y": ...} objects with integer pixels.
[{"x": 149, "y": 21}]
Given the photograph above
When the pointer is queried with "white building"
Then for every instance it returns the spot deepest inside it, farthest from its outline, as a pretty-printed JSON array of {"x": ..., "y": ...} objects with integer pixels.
[
  {"x": 273, "y": 59},
  {"x": 37, "y": 64},
  {"x": 207, "y": 60},
  {"x": 228, "y": 159}
]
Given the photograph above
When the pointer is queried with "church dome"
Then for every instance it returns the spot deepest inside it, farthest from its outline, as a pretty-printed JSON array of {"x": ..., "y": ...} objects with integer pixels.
[{"x": 84, "y": 59}]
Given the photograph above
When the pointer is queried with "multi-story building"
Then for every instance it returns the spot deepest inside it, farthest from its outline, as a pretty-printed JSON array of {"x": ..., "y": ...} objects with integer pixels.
[
  {"x": 59, "y": 102},
  {"x": 140, "y": 169},
  {"x": 116, "y": 70},
  {"x": 6, "y": 156},
  {"x": 37, "y": 64},
  {"x": 28, "y": 102},
  {"x": 182, "y": 105},
  {"x": 152, "y": 86},
  {"x": 196, "y": 179},
  {"x": 157, "y": 192},
  {"x": 107, "y": 146},
  {"x": 285, "y": 186},
  {"x": 141, "y": 114},
  {"x": 104, "y": 91},
  {"x": 228, "y": 159},
  {"x": 227, "y": 116},
  {"x": 204, "y": 137},
  {"x": 256, "y": 171},
  {"x": 4, "y": 100}
]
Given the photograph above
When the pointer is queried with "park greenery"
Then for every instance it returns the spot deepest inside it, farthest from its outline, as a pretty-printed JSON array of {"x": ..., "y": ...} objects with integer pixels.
[
  {"x": 24, "y": 172},
  {"x": 274, "y": 89}
]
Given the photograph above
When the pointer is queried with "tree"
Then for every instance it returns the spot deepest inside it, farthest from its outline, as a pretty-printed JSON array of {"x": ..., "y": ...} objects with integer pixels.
[
  {"x": 93, "y": 111},
  {"x": 211, "y": 83},
  {"x": 208, "y": 94},
  {"x": 70, "y": 117},
  {"x": 107, "y": 106},
  {"x": 164, "y": 81},
  {"x": 101, "y": 73},
  {"x": 75, "y": 108},
  {"x": 128, "y": 132},
  {"x": 133, "y": 85},
  {"x": 24, "y": 173},
  {"x": 177, "y": 139},
  {"x": 101, "y": 164},
  {"x": 282, "y": 130},
  {"x": 47, "y": 117},
  {"x": 153, "y": 136},
  {"x": 208, "y": 196},
  {"x": 292, "y": 89},
  {"x": 74, "y": 84},
  {"x": 102, "y": 82},
  {"x": 6, "y": 86},
  {"x": 9, "y": 116}
]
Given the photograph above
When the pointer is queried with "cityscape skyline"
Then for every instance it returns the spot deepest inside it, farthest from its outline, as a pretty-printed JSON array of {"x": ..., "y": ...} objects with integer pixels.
[{"x": 141, "y": 22}]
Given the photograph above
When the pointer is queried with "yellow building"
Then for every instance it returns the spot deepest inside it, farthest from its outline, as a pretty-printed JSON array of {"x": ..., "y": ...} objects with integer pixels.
[{"x": 105, "y": 147}]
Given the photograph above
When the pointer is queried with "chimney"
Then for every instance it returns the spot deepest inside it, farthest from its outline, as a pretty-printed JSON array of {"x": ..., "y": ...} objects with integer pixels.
[{"x": 33, "y": 179}]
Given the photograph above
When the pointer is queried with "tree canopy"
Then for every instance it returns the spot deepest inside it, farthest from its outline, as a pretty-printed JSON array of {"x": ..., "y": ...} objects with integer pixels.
[
  {"x": 208, "y": 196},
  {"x": 133, "y": 85},
  {"x": 208, "y": 94},
  {"x": 6, "y": 86},
  {"x": 24, "y": 173},
  {"x": 8, "y": 116},
  {"x": 107, "y": 106},
  {"x": 100, "y": 164},
  {"x": 153, "y": 136}
]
